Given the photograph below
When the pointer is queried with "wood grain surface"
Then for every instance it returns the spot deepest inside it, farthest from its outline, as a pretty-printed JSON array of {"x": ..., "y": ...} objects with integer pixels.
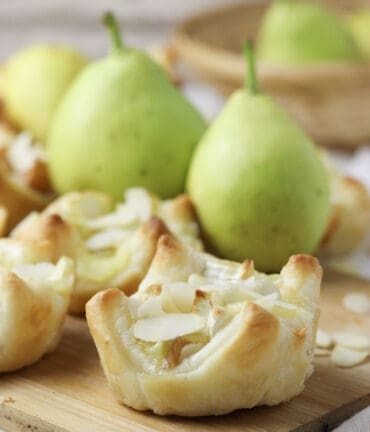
[{"x": 66, "y": 391}]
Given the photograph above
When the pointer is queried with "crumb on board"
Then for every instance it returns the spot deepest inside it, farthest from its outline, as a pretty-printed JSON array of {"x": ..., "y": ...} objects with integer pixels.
[{"x": 6, "y": 399}]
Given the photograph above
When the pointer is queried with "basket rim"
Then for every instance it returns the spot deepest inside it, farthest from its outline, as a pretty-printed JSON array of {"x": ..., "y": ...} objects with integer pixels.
[{"x": 212, "y": 58}]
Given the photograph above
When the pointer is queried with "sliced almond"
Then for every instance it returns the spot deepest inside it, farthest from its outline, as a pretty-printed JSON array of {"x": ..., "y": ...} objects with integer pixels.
[
  {"x": 115, "y": 219},
  {"x": 177, "y": 297},
  {"x": 133, "y": 305},
  {"x": 323, "y": 339},
  {"x": 34, "y": 273},
  {"x": 196, "y": 280},
  {"x": 43, "y": 274},
  {"x": 321, "y": 352},
  {"x": 23, "y": 153},
  {"x": 357, "y": 302},
  {"x": 267, "y": 301},
  {"x": 106, "y": 239},
  {"x": 140, "y": 201},
  {"x": 190, "y": 349},
  {"x": 225, "y": 271},
  {"x": 283, "y": 309},
  {"x": 234, "y": 308},
  {"x": 174, "y": 353},
  {"x": 352, "y": 340},
  {"x": 85, "y": 206},
  {"x": 151, "y": 307},
  {"x": 345, "y": 357},
  {"x": 262, "y": 285},
  {"x": 167, "y": 327},
  {"x": 217, "y": 319}
]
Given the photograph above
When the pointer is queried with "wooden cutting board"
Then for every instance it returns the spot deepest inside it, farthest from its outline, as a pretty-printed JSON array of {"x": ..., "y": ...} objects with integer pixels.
[{"x": 66, "y": 391}]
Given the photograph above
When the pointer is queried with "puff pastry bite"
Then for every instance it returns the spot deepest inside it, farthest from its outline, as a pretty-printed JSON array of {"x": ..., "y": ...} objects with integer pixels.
[
  {"x": 24, "y": 182},
  {"x": 34, "y": 299},
  {"x": 206, "y": 336},
  {"x": 112, "y": 247},
  {"x": 350, "y": 216}
]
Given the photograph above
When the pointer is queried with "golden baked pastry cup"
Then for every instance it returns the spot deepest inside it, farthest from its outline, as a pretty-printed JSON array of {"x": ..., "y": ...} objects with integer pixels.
[
  {"x": 17, "y": 199},
  {"x": 20, "y": 191},
  {"x": 260, "y": 354},
  {"x": 110, "y": 247},
  {"x": 349, "y": 221},
  {"x": 350, "y": 217},
  {"x": 34, "y": 301}
]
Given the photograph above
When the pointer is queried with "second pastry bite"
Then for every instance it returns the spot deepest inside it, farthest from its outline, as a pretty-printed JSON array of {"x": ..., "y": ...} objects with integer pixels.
[
  {"x": 350, "y": 217},
  {"x": 112, "y": 247},
  {"x": 34, "y": 299},
  {"x": 204, "y": 336},
  {"x": 349, "y": 222},
  {"x": 24, "y": 182}
]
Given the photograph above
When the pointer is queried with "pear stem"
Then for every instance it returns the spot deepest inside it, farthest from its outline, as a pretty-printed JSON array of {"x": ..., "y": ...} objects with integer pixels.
[
  {"x": 251, "y": 82},
  {"x": 111, "y": 23}
]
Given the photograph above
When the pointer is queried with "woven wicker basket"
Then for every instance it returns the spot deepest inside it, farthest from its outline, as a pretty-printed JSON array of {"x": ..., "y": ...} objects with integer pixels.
[{"x": 331, "y": 101}]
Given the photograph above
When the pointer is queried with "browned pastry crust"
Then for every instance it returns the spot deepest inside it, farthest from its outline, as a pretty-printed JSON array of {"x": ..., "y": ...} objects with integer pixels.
[
  {"x": 261, "y": 352},
  {"x": 34, "y": 301}
]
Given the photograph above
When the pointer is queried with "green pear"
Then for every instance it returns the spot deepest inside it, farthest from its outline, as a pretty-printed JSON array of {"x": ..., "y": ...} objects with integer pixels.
[
  {"x": 122, "y": 124},
  {"x": 34, "y": 81},
  {"x": 358, "y": 24},
  {"x": 302, "y": 32},
  {"x": 258, "y": 184}
]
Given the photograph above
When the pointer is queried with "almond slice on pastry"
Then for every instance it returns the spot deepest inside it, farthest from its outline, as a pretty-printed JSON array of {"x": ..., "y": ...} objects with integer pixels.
[
  {"x": 111, "y": 247},
  {"x": 34, "y": 300},
  {"x": 248, "y": 339}
]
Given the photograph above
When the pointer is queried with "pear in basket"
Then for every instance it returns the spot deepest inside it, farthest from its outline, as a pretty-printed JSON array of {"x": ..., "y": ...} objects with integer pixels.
[
  {"x": 359, "y": 26},
  {"x": 301, "y": 32}
]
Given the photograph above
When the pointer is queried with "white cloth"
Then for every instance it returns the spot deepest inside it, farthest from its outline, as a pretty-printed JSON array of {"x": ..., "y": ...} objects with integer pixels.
[{"x": 358, "y": 423}]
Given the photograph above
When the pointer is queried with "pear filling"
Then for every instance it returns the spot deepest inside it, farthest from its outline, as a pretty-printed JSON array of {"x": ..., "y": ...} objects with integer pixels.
[{"x": 174, "y": 321}]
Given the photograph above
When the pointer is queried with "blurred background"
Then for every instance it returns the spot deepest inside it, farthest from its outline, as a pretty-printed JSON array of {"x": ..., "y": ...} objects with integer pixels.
[
  {"x": 328, "y": 96},
  {"x": 150, "y": 24},
  {"x": 144, "y": 22}
]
